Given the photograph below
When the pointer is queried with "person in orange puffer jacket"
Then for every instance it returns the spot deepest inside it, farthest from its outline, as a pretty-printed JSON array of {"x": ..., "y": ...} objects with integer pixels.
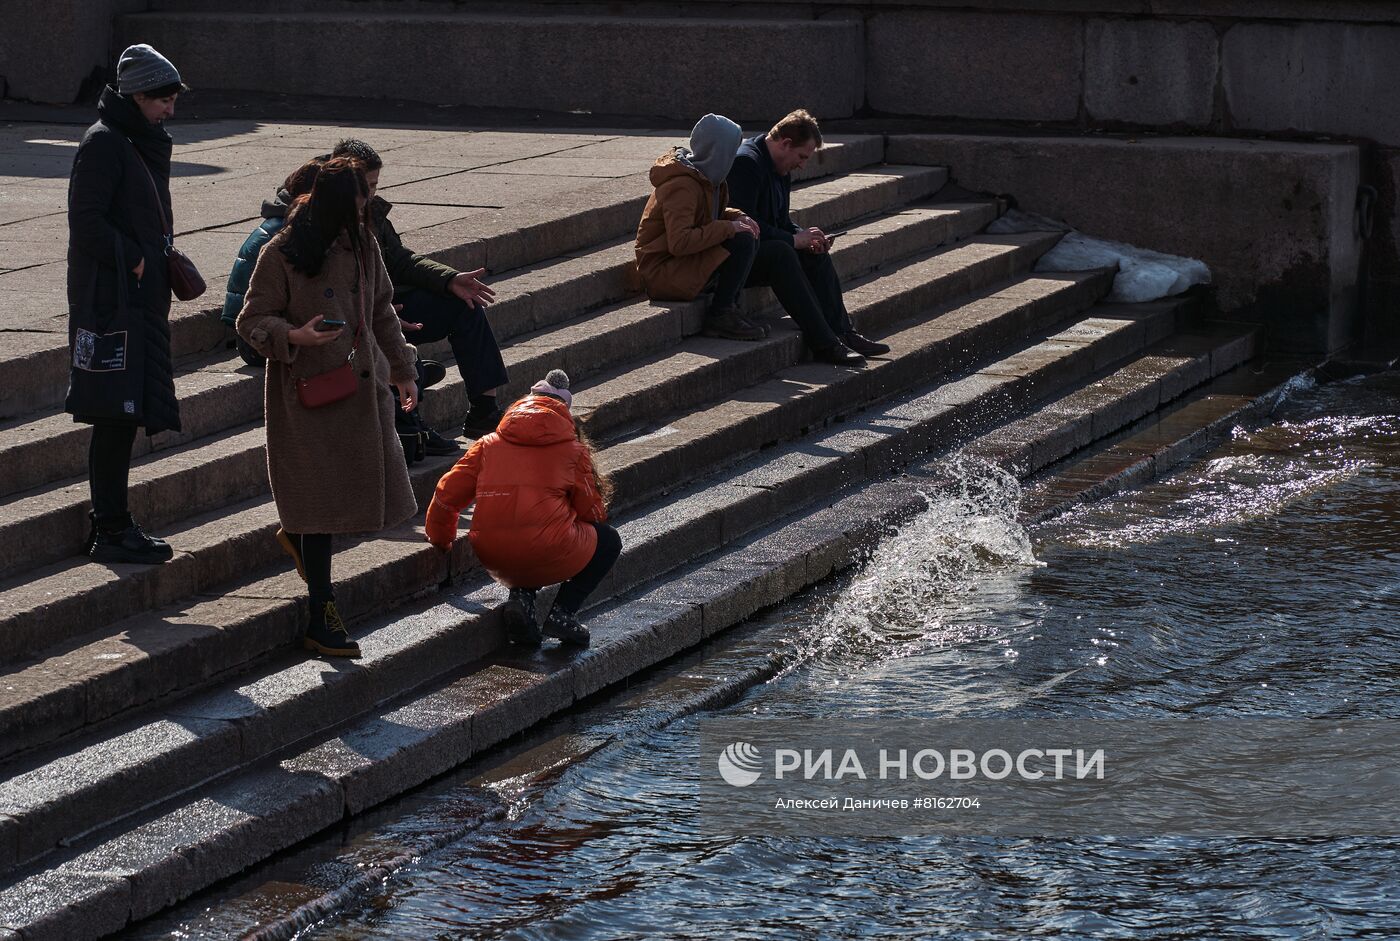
[{"x": 541, "y": 511}]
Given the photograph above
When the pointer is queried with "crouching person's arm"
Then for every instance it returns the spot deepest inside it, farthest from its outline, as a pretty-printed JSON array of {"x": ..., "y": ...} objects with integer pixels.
[{"x": 455, "y": 492}]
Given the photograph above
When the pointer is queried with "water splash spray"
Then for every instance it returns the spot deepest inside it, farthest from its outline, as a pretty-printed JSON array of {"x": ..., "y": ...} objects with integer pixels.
[{"x": 911, "y": 592}]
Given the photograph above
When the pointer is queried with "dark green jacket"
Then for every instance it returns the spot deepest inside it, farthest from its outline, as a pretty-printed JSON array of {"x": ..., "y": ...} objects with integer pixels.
[{"x": 406, "y": 269}]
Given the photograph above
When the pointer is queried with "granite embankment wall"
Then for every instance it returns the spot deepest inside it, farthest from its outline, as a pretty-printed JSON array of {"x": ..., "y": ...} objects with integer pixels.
[{"x": 1310, "y": 70}]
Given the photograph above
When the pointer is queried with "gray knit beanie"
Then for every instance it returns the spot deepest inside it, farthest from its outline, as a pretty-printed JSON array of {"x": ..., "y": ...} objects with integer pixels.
[
  {"x": 141, "y": 68},
  {"x": 555, "y": 384}
]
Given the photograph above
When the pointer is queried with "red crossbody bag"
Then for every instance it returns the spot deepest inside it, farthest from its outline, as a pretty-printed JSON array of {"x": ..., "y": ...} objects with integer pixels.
[{"x": 339, "y": 383}]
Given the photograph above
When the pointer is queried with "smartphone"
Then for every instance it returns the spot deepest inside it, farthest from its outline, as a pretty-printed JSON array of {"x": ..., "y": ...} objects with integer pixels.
[
  {"x": 833, "y": 236},
  {"x": 326, "y": 326}
]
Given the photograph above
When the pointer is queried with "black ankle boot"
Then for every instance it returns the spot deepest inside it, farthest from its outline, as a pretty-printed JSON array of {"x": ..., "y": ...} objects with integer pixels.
[
  {"x": 128, "y": 544},
  {"x": 519, "y": 613},
  {"x": 326, "y": 633},
  {"x": 482, "y": 418},
  {"x": 566, "y": 626}
]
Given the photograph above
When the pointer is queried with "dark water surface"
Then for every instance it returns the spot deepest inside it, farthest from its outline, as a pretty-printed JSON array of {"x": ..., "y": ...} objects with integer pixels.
[{"x": 1261, "y": 580}]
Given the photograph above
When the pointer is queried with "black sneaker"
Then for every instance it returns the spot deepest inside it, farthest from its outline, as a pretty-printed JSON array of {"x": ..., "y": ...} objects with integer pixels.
[
  {"x": 438, "y": 446},
  {"x": 728, "y": 324},
  {"x": 129, "y": 545},
  {"x": 864, "y": 346},
  {"x": 480, "y": 422},
  {"x": 327, "y": 635},
  {"x": 838, "y": 355},
  {"x": 566, "y": 626},
  {"x": 433, "y": 373},
  {"x": 522, "y": 625}
]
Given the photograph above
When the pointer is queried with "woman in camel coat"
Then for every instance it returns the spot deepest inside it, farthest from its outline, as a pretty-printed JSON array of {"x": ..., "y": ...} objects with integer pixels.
[{"x": 336, "y": 468}]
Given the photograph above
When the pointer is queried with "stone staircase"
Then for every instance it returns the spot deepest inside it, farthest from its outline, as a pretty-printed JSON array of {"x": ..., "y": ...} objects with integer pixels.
[{"x": 158, "y": 730}]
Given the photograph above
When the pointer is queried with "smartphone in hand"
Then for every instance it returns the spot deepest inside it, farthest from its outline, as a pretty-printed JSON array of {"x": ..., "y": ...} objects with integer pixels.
[{"x": 326, "y": 326}]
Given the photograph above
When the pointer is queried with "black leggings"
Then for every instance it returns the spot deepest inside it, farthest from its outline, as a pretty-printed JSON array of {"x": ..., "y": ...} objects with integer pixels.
[
  {"x": 729, "y": 277},
  {"x": 573, "y": 592},
  {"x": 109, "y": 467},
  {"x": 315, "y": 549}
]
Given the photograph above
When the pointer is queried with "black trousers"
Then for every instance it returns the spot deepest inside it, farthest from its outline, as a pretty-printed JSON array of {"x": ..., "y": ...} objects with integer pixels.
[
  {"x": 466, "y": 330},
  {"x": 729, "y": 278},
  {"x": 109, "y": 467},
  {"x": 576, "y": 590},
  {"x": 807, "y": 286}
]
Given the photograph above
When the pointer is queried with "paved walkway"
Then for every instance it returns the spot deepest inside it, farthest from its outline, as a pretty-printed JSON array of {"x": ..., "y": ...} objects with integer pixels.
[{"x": 224, "y": 169}]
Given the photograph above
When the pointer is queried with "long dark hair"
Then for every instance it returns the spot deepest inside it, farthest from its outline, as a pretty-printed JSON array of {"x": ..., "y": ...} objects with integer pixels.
[
  {"x": 318, "y": 218},
  {"x": 600, "y": 480}
]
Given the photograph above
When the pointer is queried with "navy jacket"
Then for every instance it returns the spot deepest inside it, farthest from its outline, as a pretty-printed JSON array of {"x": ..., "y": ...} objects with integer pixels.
[{"x": 757, "y": 189}]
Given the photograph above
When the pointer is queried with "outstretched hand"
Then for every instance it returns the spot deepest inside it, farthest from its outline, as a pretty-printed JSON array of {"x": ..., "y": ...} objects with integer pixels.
[{"x": 468, "y": 287}]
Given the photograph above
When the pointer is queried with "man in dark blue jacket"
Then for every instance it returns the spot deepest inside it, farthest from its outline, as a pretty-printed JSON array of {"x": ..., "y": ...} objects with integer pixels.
[{"x": 795, "y": 262}]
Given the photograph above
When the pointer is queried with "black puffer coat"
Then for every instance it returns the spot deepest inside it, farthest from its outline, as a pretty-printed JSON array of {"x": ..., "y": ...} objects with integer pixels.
[{"x": 113, "y": 222}]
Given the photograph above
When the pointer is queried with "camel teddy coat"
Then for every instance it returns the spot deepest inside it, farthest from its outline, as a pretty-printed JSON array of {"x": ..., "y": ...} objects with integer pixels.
[
  {"x": 338, "y": 468},
  {"x": 534, "y": 488},
  {"x": 679, "y": 241}
]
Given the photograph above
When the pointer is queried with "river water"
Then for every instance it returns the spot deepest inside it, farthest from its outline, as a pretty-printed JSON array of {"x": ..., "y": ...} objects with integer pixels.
[{"x": 1261, "y": 580}]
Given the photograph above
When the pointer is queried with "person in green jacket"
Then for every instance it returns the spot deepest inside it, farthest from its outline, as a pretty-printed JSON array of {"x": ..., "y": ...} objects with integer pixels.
[{"x": 438, "y": 302}]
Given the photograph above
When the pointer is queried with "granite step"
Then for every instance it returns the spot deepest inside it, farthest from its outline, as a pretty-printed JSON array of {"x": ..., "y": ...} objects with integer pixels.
[
  {"x": 50, "y": 524},
  {"x": 219, "y": 391},
  {"x": 704, "y": 518},
  {"x": 43, "y": 616},
  {"x": 484, "y": 696},
  {"x": 34, "y": 375}
]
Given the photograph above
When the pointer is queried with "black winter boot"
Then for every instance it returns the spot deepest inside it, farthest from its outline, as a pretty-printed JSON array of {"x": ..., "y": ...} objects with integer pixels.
[
  {"x": 482, "y": 418},
  {"x": 728, "y": 324},
  {"x": 521, "y": 618},
  {"x": 128, "y": 544},
  {"x": 566, "y": 626},
  {"x": 326, "y": 634}
]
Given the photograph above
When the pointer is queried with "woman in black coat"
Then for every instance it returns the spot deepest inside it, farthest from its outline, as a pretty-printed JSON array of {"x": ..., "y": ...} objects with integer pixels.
[{"x": 121, "y": 376}]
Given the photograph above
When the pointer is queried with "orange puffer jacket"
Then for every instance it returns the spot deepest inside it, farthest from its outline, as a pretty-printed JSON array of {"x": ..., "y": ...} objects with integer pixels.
[{"x": 533, "y": 484}]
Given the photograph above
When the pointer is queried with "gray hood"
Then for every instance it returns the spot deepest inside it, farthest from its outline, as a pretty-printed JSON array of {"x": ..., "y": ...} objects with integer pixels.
[
  {"x": 278, "y": 206},
  {"x": 714, "y": 142}
]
